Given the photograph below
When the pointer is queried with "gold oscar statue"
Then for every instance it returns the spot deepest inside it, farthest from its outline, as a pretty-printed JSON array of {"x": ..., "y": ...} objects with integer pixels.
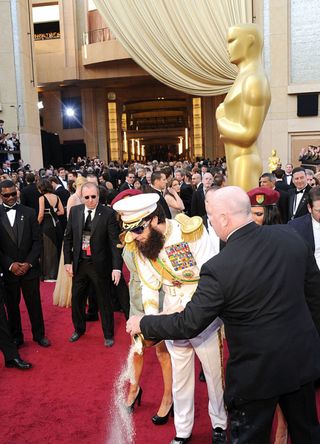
[
  {"x": 274, "y": 161},
  {"x": 240, "y": 117}
]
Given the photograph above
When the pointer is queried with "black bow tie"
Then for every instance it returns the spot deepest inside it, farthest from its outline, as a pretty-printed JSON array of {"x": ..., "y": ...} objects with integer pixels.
[
  {"x": 301, "y": 191},
  {"x": 14, "y": 207}
]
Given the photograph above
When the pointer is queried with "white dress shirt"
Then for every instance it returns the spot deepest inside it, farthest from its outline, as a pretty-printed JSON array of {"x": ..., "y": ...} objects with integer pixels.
[{"x": 316, "y": 234}]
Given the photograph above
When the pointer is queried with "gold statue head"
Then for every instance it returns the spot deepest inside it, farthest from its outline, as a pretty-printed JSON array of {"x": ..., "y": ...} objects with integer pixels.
[
  {"x": 273, "y": 153},
  {"x": 244, "y": 42}
]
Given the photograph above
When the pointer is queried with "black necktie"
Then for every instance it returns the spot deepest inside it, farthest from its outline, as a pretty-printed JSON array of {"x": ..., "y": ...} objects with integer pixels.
[
  {"x": 14, "y": 207},
  {"x": 87, "y": 224}
]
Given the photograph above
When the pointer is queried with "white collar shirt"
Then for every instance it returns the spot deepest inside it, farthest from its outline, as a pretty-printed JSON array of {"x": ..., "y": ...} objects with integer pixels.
[{"x": 316, "y": 235}]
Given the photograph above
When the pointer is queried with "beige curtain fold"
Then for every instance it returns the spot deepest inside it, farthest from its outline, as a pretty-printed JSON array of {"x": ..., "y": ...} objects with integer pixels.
[{"x": 182, "y": 43}]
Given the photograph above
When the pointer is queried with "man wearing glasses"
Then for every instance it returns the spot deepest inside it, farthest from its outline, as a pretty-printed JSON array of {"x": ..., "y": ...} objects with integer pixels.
[
  {"x": 19, "y": 259},
  {"x": 91, "y": 256}
]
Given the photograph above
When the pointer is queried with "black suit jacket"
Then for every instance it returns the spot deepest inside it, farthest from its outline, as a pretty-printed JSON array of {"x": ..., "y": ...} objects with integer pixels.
[
  {"x": 125, "y": 186},
  {"x": 63, "y": 194},
  {"x": 29, "y": 196},
  {"x": 162, "y": 200},
  {"x": 303, "y": 205},
  {"x": 25, "y": 248},
  {"x": 186, "y": 192},
  {"x": 197, "y": 204},
  {"x": 303, "y": 226},
  {"x": 103, "y": 242},
  {"x": 258, "y": 284}
]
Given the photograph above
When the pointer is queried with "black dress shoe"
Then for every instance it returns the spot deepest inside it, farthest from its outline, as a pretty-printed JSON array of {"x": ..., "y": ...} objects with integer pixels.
[
  {"x": 178, "y": 440},
  {"x": 109, "y": 342},
  {"x": 219, "y": 436},
  {"x": 18, "y": 363},
  {"x": 75, "y": 336},
  {"x": 44, "y": 342},
  {"x": 92, "y": 317},
  {"x": 160, "y": 420}
]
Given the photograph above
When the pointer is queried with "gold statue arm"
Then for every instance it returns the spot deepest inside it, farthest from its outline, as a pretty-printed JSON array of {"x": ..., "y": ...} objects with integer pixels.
[{"x": 250, "y": 116}]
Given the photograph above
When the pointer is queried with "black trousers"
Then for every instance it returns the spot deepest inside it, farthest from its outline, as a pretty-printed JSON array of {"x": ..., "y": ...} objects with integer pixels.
[
  {"x": 251, "y": 421},
  {"x": 8, "y": 348},
  {"x": 85, "y": 275},
  {"x": 119, "y": 294},
  {"x": 31, "y": 295}
]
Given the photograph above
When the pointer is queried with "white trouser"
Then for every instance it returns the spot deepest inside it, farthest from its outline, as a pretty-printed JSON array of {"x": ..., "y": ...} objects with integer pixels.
[{"x": 207, "y": 347}]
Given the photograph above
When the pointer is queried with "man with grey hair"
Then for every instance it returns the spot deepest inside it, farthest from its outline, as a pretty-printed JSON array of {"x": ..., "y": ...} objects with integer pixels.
[{"x": 261, "y": 285}]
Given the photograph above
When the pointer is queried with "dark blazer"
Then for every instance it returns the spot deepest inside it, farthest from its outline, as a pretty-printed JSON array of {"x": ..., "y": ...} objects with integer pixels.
[
  {"x": 186, "y": 192},
  {"x": 262, "y": 299},
  {"x": 303, "y": 226},
  {"x": 281, "y": 185},
  {"x": 125, "y": 186},
  {"x": 104, "y": 239},
  {"x": 29, "y": 197},
  {"x": 25, "y": 248},
  {"x": 162, "y": 201},
  {"x": 282, "y": 205},
  {"x": 303, "y": 206},
  {"x": 63, "y": 194},
  {"x": 197, "y": 204}
]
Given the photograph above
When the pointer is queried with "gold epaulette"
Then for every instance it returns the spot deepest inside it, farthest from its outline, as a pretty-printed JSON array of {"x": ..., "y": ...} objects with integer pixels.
[
  {"x": 191, "y": 227},
  {"x": 130, "y": 243}
]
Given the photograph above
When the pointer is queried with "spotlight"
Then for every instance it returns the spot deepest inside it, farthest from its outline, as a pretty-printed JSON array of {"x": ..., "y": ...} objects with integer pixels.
[
  {"x": 70, "y": 112},
  {"x": 40, "y": 104}
]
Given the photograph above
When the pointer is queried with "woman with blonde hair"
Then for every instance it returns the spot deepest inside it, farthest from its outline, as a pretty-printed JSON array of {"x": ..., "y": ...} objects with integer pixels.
[{"x": 62, "y": 291}]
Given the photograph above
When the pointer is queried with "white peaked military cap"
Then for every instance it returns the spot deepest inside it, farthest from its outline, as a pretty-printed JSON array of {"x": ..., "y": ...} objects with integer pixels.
[{"x": 137, "y": 208}]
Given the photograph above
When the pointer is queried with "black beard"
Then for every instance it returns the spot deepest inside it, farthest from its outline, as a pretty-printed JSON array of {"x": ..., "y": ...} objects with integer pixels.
[{"x": 153, "y": 245}]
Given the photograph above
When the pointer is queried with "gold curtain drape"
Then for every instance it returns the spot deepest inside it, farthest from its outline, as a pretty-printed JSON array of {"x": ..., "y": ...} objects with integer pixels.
[{"x": 182, "y": 43}]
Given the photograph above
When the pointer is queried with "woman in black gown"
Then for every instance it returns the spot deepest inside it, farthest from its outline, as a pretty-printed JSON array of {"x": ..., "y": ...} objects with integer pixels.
[{"x": 50, "y": 207}]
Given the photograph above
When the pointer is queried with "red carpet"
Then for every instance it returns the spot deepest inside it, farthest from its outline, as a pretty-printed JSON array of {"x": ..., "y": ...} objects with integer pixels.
[{"x": 65, "y": 398}]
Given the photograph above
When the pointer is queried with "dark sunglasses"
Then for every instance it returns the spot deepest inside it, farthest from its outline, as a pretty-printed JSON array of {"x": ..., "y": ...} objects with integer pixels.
[
  {"x": 139, "y": 229},
  {"x": 88, "y": 197},
  {"x": 13, "y": 194}
]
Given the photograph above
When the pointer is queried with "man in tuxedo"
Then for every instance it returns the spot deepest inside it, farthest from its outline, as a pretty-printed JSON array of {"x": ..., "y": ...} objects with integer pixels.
[
  {"x": 186, "y": 191},
  {"x": 91, "y": 256},
  {"x": 63, "y": 195},
  {"x": 288, "y": 175},
  {"x": 19, "y": 259},
  {"x": 308, "y": 226},
  {"x": 59, "y": 190},
  {"x": 62, "y": 177},
  {"x": 298, "y": 197},
  {"x": 197, "y": 205},
  {"x": 158, "y": 185},
  {"x": 128, "y": 184},
  {"x": 7, "y": 346},
  {"x": 261, "y": 285},
  {"x": 30, "y": 194}
]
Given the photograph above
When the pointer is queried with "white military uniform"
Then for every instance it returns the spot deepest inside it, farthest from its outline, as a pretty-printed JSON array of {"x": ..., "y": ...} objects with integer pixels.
[{"x": 177, "y": 271}]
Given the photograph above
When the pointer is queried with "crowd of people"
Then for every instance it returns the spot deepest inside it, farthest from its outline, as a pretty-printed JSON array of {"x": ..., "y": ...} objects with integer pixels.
[{"x": 198, "y": 251}]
